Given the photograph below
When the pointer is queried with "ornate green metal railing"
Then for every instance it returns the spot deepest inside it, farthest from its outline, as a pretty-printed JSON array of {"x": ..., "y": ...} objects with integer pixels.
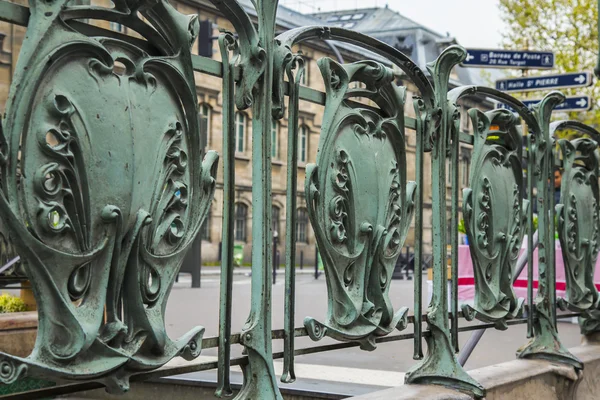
[{"x": 106, "y": 200}]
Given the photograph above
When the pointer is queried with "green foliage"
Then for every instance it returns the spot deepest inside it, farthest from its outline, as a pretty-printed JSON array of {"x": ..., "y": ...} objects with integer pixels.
[
  {"x": 567, "y": 27},
  {"x": 10, "y": 303},
  {"x": 461, "y": 226}
]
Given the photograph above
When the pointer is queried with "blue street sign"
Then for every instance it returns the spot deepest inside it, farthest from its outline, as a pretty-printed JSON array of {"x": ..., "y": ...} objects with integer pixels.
[
  {"x": 509, "y": 59},
  {"x": 575, "y": 103},
  {"x": 545, "y": 82}
]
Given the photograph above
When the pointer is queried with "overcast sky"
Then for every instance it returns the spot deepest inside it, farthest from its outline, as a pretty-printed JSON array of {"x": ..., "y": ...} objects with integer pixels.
[{"x": 475, "y": 23}]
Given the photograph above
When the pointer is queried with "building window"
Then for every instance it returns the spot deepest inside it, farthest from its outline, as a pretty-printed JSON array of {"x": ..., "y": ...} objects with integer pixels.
[
  {"x": 241, "y": 217},
  {"x": 115, "y": 26},
  {"x": 302, "y": 143},
  {"x": 304, "y": 77},
  {"x": 205, "y": 233},
  {"x": 240, "y": 130},
  {"x": 302, "y": 225},
  {"x": 275, "y": 140},
  {"x": 466, "y": 165},
  {"x": 205, "y": 125},
  {"x": 275, "y": 219}
]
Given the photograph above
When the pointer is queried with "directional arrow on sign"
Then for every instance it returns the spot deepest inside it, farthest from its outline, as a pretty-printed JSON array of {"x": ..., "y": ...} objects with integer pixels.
[
  {"x": 582, "y": 103},
  {"x": 545, "y": 82},
  {"x": 509, "y": 59},
  {"x": 576, "y": 103}
]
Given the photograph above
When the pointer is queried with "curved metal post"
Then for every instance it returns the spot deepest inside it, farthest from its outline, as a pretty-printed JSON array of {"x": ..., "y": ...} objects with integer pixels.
[
  {"x": 227, "y": 43},
  {"x": 545, "y": 343},
  {"x": 440, "y": 365}
]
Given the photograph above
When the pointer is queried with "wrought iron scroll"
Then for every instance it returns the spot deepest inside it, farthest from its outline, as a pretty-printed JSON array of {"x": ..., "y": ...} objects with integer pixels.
[
  {"x": 423, "y": 103},
  {"x": 494, "y": 214},
  {"x": 440, "y": 365},
  {"x": 113, "y": 188},
  {"x": 361, "y": 158},
  {"x": 104, "y": 227},
  {"x": 545, "y": 343},
  {"x": 578, "y": 222}
]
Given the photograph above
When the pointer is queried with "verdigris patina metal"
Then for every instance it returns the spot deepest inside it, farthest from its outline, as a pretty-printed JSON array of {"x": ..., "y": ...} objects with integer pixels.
[
  {"x": 545, "y": 343},
  {"x": 440, "y": 365},
  {"x": 494, "y": 214},
  {"x": 578, "y": 222},
  {"x": 255, "y": 89},
  {"x": 103, "y": 188},
  {"x": 359, "y": 202}
]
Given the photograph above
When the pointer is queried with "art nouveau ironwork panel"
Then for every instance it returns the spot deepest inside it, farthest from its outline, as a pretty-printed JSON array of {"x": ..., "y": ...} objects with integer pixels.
[
  {"x": 361, "y": 155},
  {"x": 440, "y": 365},
  {"x": 577, "y": 215},
  {"x": 494, "y": 214},
  {"x": 101, "y": 193},
  {"x": 105, "y": 185},
  {"x": 578, "y": 223},
  {"x": 545, "y": 343}
]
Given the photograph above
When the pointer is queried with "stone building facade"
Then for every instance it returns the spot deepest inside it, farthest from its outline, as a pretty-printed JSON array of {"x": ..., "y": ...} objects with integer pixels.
[{"x": 426, "y": 46}]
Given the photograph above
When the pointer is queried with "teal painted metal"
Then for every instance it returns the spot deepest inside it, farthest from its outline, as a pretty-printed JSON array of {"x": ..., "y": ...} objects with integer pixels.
[
  {"x": 453, "y": 149},
  {"x": 90, "y": 246},
  {"x": 545, "y": 343},
  {"x": 227, "y": 44},
  {"x": 440, "y": 365},
  {"x": 255, "y": 90},
  {"x": 578, "y": 222},
  {"x": 102, "y": 227},
  {"x": 423, "y": 123},
  {"x": 297, "y": 65},
  {"x": 361, "y": 153},
  {"x": 495, "y": 216}
]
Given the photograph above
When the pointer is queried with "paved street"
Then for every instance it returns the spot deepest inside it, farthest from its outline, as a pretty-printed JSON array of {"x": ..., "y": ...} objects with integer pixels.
[{"x": 188, "y": 307}]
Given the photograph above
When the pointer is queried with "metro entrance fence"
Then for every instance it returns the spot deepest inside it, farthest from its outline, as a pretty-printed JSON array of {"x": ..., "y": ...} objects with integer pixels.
[{"x": 105, "y": 183}]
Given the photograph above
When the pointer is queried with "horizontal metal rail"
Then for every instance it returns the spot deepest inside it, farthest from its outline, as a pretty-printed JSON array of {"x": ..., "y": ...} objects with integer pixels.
[
  {"x": 236, "y": 361},
  {"x": 258, "y": 76}
]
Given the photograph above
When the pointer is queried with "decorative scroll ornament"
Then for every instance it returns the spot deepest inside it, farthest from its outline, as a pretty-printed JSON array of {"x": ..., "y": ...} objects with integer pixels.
[
  {"x": 578, "y": 222},
  {"x": 545, "y": 343},
  {"x": 495, "y": 216},
  {"x": 439, "y": 126},
  {"x": 103, "y": 187},
  {"x": 359, "y": 202}
]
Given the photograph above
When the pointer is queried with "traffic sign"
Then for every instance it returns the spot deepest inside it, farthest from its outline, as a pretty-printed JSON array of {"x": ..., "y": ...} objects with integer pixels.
[
  {"x": 575, "y": 103},
  {"x": 545, "y": 82},
  {"x": 509, "y": 59}
]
